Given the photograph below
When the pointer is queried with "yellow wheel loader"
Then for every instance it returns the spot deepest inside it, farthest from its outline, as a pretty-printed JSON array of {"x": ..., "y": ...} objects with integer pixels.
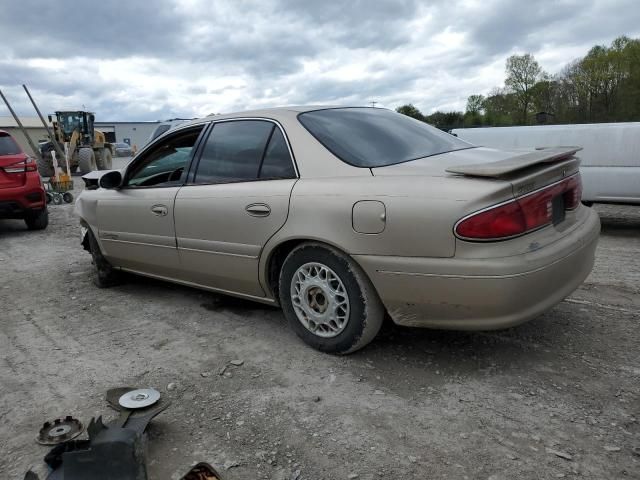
[{"x": 87, "y": 148}]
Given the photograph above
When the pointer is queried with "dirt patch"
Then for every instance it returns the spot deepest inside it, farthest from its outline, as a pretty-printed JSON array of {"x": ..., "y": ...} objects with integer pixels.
[{"x": 559, "y": 396}]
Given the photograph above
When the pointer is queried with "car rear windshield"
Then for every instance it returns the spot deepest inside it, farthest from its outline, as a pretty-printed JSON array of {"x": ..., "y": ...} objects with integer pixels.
[
  {"x": 8, "y": 146},
  {"x": 375, "y": 137}
]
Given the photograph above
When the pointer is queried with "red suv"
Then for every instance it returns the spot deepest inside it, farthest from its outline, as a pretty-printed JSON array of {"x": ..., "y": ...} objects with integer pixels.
[{"x": 21, "y": 191}]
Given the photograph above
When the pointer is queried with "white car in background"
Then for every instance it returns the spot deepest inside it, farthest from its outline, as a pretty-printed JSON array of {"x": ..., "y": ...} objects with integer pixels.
[{"x": 610, "y": 156}]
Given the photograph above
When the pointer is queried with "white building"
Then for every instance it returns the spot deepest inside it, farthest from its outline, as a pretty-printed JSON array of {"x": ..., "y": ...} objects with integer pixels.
[{"x": 133, "y": 133}]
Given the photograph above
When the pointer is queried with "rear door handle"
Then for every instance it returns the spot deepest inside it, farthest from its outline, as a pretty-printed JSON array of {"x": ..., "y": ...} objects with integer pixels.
[
  {"x": 258, "y": 209},
  {"x": 160, "y": 210}
]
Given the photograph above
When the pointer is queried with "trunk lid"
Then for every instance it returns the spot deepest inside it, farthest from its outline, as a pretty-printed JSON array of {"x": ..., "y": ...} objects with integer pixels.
[{"x": 525, "y": 170}]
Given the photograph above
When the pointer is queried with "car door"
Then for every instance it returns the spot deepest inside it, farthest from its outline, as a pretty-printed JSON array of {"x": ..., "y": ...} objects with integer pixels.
[
  {"x": 237, "y": 198},
  {"x": 135, "y": 222}
]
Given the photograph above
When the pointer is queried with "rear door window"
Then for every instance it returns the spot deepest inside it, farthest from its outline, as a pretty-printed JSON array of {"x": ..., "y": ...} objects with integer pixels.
[
  {"x": 277, "y": 162},
  {"x": 233, "y": 152}
]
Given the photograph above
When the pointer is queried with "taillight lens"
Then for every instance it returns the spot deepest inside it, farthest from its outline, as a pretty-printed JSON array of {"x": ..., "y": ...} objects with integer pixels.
[
  {"x": 573, "y": 195},
  {"x": 27, "y": 165},
  {"x": 522, "y": 215}
]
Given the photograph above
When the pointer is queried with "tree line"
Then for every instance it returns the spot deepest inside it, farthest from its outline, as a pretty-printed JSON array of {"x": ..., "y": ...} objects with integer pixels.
[{"x": 603, "y": 86}]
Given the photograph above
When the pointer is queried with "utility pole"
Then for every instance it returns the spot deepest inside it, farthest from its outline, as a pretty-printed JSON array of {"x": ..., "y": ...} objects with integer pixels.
[
  {"x": 373, "y": 104},
  {"x": 46, "y": 126},
  {"x": 36, "y": 151}
]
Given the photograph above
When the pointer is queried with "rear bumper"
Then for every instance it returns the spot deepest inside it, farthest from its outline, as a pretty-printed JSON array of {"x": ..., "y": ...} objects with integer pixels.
[
  {"x": 483, "y": 294},
  {"x": 18, "y": 202}
]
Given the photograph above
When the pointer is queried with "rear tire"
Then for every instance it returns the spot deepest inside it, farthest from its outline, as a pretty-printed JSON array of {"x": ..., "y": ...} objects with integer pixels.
[
  {"x": 105, "y": 275},
  {"x": 328, "y": 300},
  {"x": 87, "y": 160},
  {"x": 45, "y": 166},
  {"x": 37, "y": 220},
  {"x": 105, "y": 161}
]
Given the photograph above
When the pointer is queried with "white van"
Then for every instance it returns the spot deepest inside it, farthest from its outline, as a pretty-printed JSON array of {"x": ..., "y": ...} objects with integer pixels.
[{"x": 610, "y": 166}]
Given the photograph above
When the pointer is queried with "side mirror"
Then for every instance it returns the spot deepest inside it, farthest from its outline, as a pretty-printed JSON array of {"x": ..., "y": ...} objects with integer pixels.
[{"x": 112, "y": 179}]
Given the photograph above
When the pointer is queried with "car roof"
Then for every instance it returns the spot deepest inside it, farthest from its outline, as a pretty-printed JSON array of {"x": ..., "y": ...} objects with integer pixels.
[{"x": 274, "y": 112}]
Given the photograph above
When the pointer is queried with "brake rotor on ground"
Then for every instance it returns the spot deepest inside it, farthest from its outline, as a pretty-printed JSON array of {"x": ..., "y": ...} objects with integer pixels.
[
  {"x": 141, "y": 398},
  {"x": 59, "y": 430}
]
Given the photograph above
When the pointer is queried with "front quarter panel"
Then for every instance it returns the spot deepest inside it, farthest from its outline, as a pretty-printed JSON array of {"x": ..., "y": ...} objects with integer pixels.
[{"x": 86, "y": 208}]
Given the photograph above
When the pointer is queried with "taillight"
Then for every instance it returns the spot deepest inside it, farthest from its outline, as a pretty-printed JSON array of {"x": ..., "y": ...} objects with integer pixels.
[
  {"x": 521, "y": 215},
  {"x": 573, "y": 195},
  {"x": 27, "y": 165}
]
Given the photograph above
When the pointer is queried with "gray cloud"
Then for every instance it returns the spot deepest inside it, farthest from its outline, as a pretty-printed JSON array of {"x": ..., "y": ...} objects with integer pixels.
[{"x": 151, "y": 60}]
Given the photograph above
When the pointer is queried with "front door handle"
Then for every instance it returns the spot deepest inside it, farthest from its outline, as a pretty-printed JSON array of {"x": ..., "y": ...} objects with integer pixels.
[
  {"x": 258, "y": 209},
  {"x": 160, "y": 210}
]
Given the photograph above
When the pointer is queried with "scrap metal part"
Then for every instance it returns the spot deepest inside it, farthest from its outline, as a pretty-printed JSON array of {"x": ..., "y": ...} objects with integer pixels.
[
  {"x": 202, "y": 471},
  {"x": 115, "y": 450},
  {"x": 140, "y": 398},
  {"x": 59, "y": 430}
]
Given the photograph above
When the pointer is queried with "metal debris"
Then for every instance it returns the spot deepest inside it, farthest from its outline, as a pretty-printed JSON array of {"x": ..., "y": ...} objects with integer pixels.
[
  {"x": 59, "y": 430},
  {"x": 140, "y": 398}
]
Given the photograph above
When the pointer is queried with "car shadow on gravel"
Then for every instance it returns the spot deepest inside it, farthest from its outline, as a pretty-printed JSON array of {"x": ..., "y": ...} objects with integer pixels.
[
  {"x": 210, "y": 301},
  {"x": 620, "y": 227},
  {"x": 12, "y": 227},
  {"x": 619, "y": 220},
  {"x": 450, "y": 350}
]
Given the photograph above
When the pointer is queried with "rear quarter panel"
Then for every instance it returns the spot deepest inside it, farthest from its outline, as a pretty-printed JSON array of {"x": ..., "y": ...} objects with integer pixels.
[{"x": 420, "y": 213}]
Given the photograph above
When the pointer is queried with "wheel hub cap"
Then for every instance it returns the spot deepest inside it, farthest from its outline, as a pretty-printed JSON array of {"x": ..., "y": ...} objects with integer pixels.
[{"x": 320, "y": 300}]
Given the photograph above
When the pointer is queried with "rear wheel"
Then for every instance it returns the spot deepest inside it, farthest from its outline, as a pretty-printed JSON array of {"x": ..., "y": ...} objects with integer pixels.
[
  {"x": 45, "y": 165},
  {"x": 37, "y": 220},
  {"x": 105, "y": 275},
  {"x": 105, "y": 161},
  {"x": 87, "y": 160},
  {"x": 328, "y": 300}
]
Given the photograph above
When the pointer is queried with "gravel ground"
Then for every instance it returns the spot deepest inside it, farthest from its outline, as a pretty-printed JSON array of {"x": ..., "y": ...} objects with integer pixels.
[{"x": 558, "y": 397}]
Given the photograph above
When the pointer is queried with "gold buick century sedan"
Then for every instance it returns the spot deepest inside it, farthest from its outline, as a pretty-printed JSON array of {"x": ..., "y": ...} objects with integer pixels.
[{"x": 344, "y": 215}]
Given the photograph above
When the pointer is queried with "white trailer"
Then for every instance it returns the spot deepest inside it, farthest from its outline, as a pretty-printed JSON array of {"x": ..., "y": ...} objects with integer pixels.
[{"x": 610, "y": 159}]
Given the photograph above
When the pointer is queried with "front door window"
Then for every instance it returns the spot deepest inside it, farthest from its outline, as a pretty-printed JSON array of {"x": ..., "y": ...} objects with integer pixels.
[{"x": 165, "y": 163}]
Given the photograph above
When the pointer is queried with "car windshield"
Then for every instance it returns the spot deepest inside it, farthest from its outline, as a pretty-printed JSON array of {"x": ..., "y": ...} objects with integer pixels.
[
  {"x": 376, "y": 137},
  {"x": 8, "y": 146}
]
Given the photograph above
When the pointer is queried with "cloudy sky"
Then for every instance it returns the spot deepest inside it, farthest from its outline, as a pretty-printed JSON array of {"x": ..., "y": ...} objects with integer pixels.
[{"x": 157, "y": 59}]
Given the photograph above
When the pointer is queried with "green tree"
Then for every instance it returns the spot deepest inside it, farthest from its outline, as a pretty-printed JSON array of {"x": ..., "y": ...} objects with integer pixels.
[
  {"x": 473, "y": 116},
  {"x": 500, "y": 108},
  {"x": 410, "y": 111},
  {"x": 545, "y": 95},
  {"x": 445, "y": 120},
  {"x": 475, "y": 104},
  {"x": 523, "y": 72}
]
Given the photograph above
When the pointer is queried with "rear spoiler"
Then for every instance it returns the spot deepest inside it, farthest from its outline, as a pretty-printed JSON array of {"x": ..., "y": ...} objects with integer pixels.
[{"x": 518, "y": 162}]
